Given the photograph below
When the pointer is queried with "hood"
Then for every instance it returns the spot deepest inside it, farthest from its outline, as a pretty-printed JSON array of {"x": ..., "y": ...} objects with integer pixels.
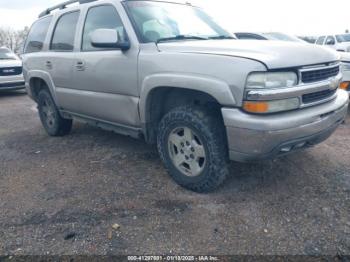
[
  {"x": 10, "y": 63},
  {"x": 274, "y": 54}
]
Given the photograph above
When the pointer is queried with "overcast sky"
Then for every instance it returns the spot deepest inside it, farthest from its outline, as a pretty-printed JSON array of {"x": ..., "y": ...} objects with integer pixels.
[{"x": 302, "y": 17}]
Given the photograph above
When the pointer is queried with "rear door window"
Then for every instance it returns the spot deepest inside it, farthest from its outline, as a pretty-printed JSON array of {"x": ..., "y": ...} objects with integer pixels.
[
  {"x": 37, "y": 35},
  {"x": 64, "y": 33}
]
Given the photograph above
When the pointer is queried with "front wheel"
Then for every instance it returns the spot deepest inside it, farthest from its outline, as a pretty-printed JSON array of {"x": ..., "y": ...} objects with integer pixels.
[{"x": 192, "y": 144}]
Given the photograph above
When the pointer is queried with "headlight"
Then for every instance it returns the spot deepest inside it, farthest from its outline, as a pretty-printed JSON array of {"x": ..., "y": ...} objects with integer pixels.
[
  {"x": 272, "y": 80},
  {"x": 345, "y": 66}
]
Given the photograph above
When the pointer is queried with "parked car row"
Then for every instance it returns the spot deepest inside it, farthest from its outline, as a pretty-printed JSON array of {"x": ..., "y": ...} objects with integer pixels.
[{"x": 339, "y": 43}]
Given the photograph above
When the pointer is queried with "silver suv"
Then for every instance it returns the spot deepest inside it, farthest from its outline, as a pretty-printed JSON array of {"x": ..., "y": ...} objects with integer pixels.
[{"x": 168, "y": 73}]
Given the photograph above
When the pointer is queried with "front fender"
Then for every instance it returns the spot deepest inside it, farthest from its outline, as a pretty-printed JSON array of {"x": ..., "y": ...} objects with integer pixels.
[{"x": 216, "y": 88}]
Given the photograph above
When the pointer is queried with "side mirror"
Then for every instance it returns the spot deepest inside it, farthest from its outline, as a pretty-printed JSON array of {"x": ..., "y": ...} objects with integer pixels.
[{"x": 108, "y": 38}]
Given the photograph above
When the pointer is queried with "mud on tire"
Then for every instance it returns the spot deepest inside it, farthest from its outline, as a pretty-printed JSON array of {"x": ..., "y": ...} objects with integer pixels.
[{"x": 208, "y": 131}]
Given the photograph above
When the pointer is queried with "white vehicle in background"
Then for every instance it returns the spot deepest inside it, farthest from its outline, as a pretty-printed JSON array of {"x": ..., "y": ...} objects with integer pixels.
[
  {"x": 339, "y": 43},
  {"x": 345, "y": 66},
  {"x": 11, "y": 73}
]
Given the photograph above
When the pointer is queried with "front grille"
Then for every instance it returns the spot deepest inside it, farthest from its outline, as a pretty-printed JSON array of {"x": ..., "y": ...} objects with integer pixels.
[
  {"x": 318, "y": 96},
  {"x": 319, "y": 74},
  {"x": 16, "y": 84},
  {"x": 10, "y": 71}
]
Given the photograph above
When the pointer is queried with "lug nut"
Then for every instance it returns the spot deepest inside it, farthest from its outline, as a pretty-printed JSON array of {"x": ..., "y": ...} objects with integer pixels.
[
  {"x": 192, "y": 149},
  {"x": 187, "y": 158},
  {"x": 181, "y": 151},
  {"x": 192, "y": 156}
]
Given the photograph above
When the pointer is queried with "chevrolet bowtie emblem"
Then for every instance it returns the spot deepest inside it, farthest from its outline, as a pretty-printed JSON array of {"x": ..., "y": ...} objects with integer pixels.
[{"x": 8, "y": 71}]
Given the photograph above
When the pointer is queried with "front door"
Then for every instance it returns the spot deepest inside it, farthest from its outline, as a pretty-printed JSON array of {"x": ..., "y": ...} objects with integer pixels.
[{"x": 105, "y": 80}]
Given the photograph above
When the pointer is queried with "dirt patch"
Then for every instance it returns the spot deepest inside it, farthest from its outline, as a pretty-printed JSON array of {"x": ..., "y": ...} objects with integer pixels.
[{"x": 62, "y": 196}]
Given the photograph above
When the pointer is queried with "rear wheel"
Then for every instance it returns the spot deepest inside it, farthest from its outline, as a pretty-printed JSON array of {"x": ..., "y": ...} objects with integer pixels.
[
  {"x": 192, "y": 144},
  {"x": 50, "y": 117}
]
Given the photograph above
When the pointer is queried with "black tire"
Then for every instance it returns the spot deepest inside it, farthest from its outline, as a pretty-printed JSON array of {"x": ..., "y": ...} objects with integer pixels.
[
  {"x": 209, "y": 129},
  {"x": 50, "y": 117}
]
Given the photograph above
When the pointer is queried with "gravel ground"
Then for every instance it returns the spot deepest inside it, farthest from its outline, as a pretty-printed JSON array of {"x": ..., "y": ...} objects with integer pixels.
[{"x": 63, "y": 195}]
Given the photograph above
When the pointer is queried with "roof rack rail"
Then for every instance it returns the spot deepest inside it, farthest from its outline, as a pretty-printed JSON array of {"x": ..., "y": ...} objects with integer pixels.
[{"x": 63, "y": 6}]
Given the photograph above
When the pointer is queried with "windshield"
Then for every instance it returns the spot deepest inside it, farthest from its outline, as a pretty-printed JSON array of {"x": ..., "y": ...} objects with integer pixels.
[
  {"x": 343, "y": 38},
  {"x": 6, "y": 54},
  {"x": 283, "y": 37},
  {"x": 160, "y": 20}
]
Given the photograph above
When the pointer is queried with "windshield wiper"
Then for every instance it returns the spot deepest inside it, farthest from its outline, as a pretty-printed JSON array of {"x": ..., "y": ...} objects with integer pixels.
[
  {"x": 219, "y": 37},
  {"x": 180, "y": 37}
]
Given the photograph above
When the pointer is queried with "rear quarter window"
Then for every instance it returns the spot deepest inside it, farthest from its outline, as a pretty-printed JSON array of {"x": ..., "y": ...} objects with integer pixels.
[{"x": 37, "y": 35}]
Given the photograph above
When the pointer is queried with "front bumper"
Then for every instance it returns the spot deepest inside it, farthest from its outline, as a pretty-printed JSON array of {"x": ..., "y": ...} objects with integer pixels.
[
  {"x": 254, "y": 137},
  {"x": 12, "y": 82}
]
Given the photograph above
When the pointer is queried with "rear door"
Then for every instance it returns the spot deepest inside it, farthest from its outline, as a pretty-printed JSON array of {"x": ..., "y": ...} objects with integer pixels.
[
  {"x": 61, "y": 56},
  {"x": 105, "y": 80}
]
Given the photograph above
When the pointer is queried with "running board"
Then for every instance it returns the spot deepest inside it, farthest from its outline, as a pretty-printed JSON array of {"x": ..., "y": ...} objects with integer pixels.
[{"x": 105, "y": 125}]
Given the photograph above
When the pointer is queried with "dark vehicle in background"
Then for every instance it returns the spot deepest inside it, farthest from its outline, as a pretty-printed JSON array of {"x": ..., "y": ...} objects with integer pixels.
[
  {"x": 11, "y": 77},
  {"x": 250, "y": 36},
  {"x": 268, "y": 36}
]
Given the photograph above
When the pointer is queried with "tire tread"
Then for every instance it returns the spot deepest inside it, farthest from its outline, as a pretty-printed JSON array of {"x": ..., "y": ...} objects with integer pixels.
[{"x": 209, "y": 123}]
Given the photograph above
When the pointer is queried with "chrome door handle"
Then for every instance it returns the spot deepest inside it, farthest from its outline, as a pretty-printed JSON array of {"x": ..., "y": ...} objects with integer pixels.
[
  {"x": 80, "y": 66},
  {"x": 48, "y": 65}
]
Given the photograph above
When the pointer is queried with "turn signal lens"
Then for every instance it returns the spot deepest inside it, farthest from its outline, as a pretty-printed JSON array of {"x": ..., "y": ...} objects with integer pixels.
[
  {"x": 256, "y": 107},
  {"x": 344, "y": 85},
  {"x": 261, "y": 107}
]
